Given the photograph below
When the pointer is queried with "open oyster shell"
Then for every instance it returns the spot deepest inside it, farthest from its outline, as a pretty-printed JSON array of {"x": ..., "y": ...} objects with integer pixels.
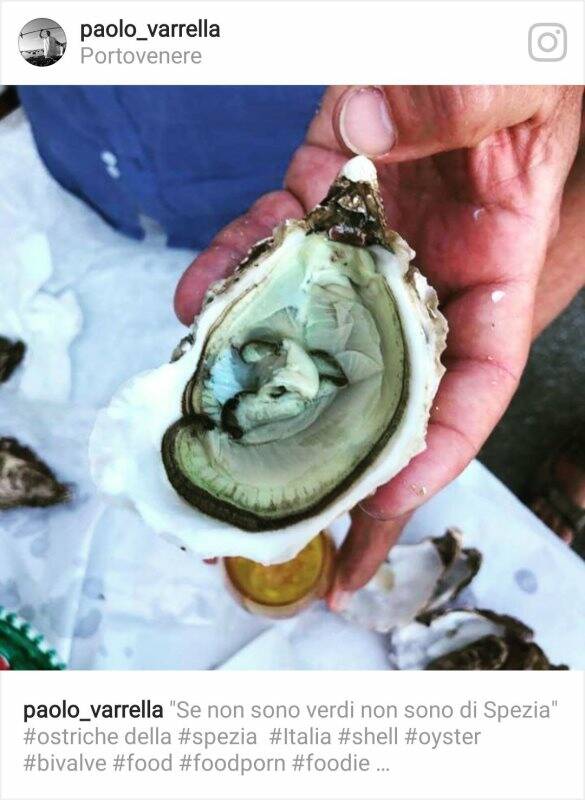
[
  {"x": 306, "y": 383},
  {"x": 473, "y": 639},
  {"x": 414, "y": 579}
]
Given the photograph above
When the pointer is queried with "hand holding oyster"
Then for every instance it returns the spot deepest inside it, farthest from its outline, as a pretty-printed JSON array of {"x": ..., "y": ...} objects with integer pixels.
[{"x": 306, "y": 383}]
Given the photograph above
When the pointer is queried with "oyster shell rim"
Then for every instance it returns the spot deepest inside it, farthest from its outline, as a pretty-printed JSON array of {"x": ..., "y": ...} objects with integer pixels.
[
  {"x": 352, "y": 212},
  {"x": 124, "y": 442}
]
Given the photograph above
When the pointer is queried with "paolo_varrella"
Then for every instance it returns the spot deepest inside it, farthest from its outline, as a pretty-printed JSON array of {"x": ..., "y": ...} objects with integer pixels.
[{"x": 201, "y": 29}]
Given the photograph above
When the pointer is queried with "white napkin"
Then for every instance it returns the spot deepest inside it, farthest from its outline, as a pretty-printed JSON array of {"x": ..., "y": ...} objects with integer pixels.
[{"x": 46, "y": 323}]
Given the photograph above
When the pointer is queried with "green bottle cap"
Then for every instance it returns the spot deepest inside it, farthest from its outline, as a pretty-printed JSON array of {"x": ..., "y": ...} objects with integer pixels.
[{"x": 21, "y": 647}]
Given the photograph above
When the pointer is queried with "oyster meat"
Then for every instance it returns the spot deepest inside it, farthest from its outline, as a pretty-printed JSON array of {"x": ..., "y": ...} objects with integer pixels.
[
  {"x": 25, "y": 480},
  {"x": 306, "y": 383}
]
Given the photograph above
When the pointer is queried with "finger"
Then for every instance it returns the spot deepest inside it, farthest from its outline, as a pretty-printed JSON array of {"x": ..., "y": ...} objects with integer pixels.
[
  {"x": 486, "y": 355},
  {"x": 401, "y": 123},
  {"x": 311, "y": 173},
  {"x": 362, "y": 552},
  {"x": 410, "y": 122},
  {"x": 229, "y": 247},
  {"x": 563, "y": 274}
]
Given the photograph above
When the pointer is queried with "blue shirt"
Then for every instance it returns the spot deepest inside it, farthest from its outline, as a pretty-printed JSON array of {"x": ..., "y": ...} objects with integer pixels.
[{"x": 187, "y": 158}]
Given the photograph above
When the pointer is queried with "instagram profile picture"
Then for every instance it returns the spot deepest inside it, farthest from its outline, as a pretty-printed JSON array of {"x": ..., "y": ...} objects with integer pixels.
[{"x": 42, "y": 42}]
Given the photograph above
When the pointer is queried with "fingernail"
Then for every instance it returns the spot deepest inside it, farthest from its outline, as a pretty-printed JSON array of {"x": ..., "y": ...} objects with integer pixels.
[
  {"x": 365, "y": 125},
  {"x": 339, "y": 599}
]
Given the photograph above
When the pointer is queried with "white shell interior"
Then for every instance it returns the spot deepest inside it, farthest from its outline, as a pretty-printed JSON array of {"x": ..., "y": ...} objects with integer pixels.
[
  {"x": 400, "y": 590},
  {"x": 414, "y": 646}
]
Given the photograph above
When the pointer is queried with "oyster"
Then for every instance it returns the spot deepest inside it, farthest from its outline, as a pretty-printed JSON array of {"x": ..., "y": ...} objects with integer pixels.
[
  {"x": 25, "y": 480},
  {"x": 11, "y": 354},
  {"x": 467, "y": 639},
  {"x": 415, "y": 578},
  {"x": 306, "y": 383}
]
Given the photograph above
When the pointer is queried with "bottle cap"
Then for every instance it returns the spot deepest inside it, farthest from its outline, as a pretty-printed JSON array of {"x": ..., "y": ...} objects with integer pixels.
[
  {"x": 22, "y": 647},
  {"x": 282, "y": 590}
]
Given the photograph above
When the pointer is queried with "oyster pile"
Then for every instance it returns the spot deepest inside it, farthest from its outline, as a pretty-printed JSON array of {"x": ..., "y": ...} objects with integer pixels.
[
  {"x": 306, "y": 383},
  {"x": 408, "y": 598},
  {"x": 23, "y": 648}
]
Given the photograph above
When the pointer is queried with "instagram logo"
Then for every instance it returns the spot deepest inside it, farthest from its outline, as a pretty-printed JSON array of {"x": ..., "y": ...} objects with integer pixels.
[{"x": 547, "y": 41}]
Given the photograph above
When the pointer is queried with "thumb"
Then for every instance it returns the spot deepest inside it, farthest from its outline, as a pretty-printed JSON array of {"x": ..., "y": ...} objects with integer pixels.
[{"x": 409, "y": 122}]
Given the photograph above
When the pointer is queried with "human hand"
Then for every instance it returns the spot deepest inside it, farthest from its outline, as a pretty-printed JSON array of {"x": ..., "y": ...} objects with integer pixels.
[{"x": 473, "y": 178}]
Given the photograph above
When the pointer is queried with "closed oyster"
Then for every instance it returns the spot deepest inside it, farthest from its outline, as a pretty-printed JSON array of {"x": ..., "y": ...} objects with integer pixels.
[
  {"x": 473, "y": 639},
  {"x": 306, "y": 383},
  {"x": 22, "y": 647},
  {"x": 25, "y": 480}
]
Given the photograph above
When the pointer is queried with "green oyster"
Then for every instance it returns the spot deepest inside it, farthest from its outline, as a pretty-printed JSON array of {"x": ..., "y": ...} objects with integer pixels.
[{"x": 298, "y": 387}]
